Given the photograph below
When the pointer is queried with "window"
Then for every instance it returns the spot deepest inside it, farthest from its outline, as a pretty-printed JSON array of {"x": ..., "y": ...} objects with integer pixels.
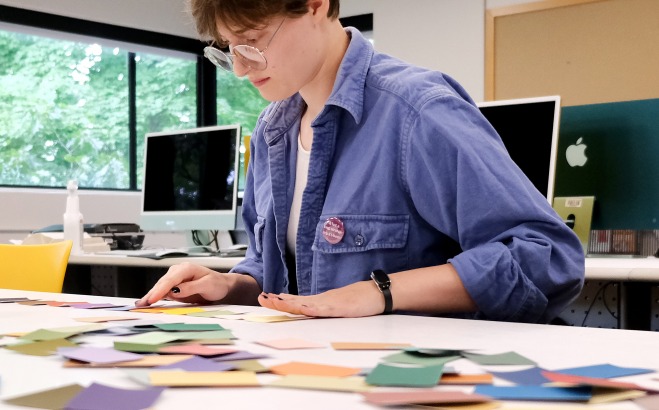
[
  {"x": 77, "y": 98},
  {"x": 238, "y": 102},
  {"x": 166, "y": 97},
  {"x": 51, "y": 118},
  {"x": 64, "y": 109}
]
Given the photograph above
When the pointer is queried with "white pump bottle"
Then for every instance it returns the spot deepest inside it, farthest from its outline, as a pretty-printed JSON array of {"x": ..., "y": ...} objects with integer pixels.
[{"x": 73, "y": 221}]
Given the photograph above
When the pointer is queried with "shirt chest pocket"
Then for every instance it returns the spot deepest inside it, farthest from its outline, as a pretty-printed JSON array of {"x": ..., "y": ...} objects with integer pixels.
[{"x": 362, "y": 233}]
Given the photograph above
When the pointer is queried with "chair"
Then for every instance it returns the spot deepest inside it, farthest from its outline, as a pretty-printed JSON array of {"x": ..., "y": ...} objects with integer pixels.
[{"x": 34, "y": 267}]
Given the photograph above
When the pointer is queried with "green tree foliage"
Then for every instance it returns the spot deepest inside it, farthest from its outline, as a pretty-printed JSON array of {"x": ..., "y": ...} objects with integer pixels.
[
  {"x": 238, "y": 102},
  {"x": 62, "y": 113},
  {"x": 64, "y": 109},
  {"x": 166, "y": 97}
]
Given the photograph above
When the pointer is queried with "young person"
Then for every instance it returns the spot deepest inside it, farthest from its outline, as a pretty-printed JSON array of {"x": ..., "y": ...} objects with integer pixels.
[{"x": 362, "y": 164}]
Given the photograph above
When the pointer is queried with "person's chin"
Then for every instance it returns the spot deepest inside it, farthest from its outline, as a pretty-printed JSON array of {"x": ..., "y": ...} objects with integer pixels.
[{"x": 274, "y": 96}]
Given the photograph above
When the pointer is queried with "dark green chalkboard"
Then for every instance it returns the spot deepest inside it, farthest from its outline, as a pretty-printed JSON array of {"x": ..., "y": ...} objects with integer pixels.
[{"x": 622, "y": 170}]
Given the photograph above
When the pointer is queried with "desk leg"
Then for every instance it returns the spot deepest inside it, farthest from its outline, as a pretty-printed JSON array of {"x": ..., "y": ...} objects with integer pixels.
[{"x": 638, "y": 298}]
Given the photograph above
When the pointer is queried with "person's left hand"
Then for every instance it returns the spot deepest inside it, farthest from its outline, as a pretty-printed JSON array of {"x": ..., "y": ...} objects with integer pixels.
[{"x": 355, "y": 300}]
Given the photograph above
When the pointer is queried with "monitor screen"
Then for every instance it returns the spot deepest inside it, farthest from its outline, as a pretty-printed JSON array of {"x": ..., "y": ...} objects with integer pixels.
[
  {"x": 190, "y": 179},
  {"x": 528, "y": 128}
]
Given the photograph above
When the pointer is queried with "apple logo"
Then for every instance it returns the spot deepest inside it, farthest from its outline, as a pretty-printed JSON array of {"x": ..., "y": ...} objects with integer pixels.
[{"x": 576, "y": 154}]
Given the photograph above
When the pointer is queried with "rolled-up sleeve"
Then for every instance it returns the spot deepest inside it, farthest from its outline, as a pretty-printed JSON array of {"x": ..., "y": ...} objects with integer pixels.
[{"x": 519, "y": 261}]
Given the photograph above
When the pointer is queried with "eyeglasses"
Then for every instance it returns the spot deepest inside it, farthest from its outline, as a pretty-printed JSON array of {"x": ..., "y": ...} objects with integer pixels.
[{"x": 248, "y": 56}]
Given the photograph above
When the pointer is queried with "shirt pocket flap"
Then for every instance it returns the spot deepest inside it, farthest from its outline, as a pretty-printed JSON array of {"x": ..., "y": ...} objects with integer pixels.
[{"x": 365, "y": 232}]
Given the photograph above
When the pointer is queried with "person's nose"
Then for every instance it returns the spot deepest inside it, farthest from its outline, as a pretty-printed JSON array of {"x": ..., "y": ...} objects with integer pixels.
[{"x": 240, "y": 69}]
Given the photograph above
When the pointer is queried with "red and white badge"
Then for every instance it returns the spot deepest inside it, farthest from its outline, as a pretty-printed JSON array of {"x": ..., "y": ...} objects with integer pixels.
[{"x": 333, "y": 230}]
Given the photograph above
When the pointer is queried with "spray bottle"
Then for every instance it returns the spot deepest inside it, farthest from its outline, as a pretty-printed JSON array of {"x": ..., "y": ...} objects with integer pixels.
[{"x": 73, "y": 222}]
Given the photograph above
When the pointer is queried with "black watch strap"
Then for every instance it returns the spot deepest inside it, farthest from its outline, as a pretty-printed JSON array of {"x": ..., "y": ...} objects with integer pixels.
[{"x": 381, "y": 279}]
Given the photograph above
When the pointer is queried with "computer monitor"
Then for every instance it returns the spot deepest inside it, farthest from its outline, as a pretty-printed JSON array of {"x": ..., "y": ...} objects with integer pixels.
[
  {"x": 528, "y": 128},
  {"x": 609, "y": 151},
  {"x": 190, "y": 179}
]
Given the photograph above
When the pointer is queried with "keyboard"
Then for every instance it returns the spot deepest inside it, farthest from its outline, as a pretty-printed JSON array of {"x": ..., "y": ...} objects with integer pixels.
[
  {"x": 130, "y": 252},
  {"x": 168, "y": 253},
  {"x": 231, "y": 251}
]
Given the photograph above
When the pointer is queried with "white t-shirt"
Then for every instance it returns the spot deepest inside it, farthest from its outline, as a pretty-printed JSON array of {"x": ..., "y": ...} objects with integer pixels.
[{"x": 301, "y": 173}]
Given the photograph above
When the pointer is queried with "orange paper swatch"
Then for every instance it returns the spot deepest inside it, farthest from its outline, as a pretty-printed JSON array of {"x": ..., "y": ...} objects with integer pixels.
[{"x": 313, "y": 369}]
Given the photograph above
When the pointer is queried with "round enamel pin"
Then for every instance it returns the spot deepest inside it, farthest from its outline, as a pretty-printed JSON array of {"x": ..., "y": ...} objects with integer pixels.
[{"x": 333, "y": 230}]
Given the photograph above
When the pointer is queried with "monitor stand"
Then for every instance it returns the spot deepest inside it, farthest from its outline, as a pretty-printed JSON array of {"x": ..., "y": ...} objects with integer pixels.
[
  {"x": 224, "y": 239},
  {"x": 577, "y": 212}
]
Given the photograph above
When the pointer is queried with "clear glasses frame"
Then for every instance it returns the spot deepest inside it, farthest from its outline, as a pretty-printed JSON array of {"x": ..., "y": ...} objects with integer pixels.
[{"x": 248, "y": 56}]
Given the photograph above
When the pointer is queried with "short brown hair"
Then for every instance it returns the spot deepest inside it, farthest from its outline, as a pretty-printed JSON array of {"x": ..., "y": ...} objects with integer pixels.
[{"x": 247, "y": 14}]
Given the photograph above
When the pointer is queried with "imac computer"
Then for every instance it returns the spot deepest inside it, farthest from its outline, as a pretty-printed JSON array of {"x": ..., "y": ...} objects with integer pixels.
[
  {"x": 609, "y": 151},
  {"x": 191, "y": 179},
  {"x": 528, "y": 128}
]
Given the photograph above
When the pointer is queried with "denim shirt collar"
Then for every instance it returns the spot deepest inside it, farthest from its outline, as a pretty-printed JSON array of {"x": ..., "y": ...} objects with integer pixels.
[{"x": 348, "y": 91}]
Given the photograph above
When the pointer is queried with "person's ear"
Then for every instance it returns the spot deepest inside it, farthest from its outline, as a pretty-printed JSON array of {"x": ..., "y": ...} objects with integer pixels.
[{"x": 318, "y": 7}]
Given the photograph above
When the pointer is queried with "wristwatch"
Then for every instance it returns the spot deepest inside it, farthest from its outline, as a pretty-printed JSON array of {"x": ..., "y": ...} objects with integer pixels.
[{"x": 381, "y": 279}]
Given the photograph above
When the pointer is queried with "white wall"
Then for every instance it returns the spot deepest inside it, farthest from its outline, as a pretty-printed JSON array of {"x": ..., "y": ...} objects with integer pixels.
[
  {"x": 162, "y": 16},
  {"x": 447, "y": 35}
]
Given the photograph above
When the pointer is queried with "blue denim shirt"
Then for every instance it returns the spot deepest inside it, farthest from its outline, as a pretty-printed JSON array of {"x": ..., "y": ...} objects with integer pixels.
[{"x": 403, "y": 157}]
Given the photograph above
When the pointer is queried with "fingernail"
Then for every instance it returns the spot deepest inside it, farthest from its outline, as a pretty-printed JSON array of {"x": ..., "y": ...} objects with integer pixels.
[{"x": 175, "y": 289}]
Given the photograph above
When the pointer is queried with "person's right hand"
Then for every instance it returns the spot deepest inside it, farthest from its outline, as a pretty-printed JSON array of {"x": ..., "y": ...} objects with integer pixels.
[{"x": 188, "y": 283}]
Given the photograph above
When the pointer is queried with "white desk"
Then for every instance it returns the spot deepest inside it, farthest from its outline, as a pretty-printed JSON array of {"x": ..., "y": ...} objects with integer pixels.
[
  {"x": 623, "y": 269},
  {"x": 222, "y": 264},
  {"x": 552, "y": 347}
]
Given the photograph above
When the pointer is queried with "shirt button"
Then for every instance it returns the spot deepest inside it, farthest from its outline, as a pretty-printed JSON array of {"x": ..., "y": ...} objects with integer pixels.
[{"x": 359, "y": 240}]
